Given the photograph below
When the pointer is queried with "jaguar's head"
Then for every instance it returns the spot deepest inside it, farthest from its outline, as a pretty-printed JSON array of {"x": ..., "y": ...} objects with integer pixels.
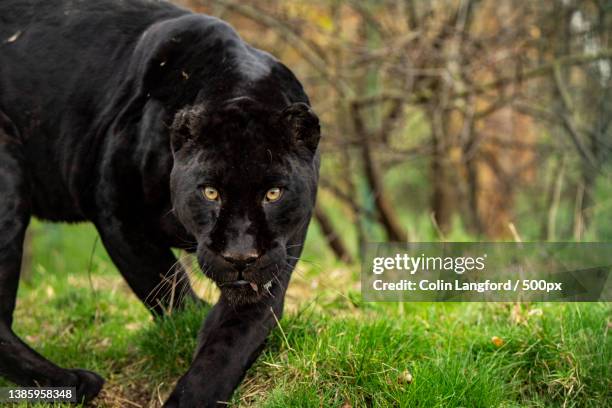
[{"x": 243, "y": 184}]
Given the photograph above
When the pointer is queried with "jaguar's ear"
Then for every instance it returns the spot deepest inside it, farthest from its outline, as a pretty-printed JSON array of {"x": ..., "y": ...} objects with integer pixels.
[
  {"x": 303, "y": 124},
  {"x": 187, "y": 126}
]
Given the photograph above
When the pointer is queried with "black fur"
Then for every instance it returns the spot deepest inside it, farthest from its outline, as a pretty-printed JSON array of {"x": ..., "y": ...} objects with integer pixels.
[{"x": 120, "y": 113}]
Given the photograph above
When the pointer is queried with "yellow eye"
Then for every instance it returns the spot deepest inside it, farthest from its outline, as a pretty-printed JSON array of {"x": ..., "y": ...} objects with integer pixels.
[
  {"x": 210, "y": 193},
  {"x": 274, "y": 194}
]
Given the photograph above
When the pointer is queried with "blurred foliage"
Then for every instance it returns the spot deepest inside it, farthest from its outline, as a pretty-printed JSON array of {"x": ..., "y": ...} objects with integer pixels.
[{"x": 450, "y": 119}]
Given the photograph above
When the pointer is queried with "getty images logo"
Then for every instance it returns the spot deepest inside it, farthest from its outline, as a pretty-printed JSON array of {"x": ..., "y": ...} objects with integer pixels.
[{"x": 414, "y": 264}]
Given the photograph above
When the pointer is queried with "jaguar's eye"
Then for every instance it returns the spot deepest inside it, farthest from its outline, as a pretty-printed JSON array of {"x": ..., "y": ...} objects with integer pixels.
[
  {"x": 273, "y": 194},
  {"x": 210, "y": 193}
]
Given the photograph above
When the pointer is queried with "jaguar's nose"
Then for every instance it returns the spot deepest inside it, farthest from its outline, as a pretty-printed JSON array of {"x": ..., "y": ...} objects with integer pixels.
[{"x": 240, "y": 261}]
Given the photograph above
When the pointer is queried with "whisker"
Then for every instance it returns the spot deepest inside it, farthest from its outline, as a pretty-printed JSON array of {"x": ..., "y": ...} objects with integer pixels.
[
  {"x": 168, "y": 278},
  {"x": 305, "y": 260},
  {"x": 276, "y": 275}
]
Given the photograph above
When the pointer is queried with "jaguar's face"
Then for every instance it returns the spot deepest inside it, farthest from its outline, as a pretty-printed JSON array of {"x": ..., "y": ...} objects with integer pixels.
[{"x": 243, "y": 184}]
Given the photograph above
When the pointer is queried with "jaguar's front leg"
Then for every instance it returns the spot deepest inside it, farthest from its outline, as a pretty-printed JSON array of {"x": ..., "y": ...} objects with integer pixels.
[
  {"x": 231, "y": 339},
  {"x": 149, "y": 267}
]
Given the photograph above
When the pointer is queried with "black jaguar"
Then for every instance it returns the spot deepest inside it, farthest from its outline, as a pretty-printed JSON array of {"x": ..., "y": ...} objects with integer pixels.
[{"x": 165, "y": 130}]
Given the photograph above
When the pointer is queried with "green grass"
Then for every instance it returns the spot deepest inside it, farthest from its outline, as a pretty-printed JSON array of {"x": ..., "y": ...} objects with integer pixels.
[
  {"x": 558, "y": 358},
  {"x": 332, "y": 349}
]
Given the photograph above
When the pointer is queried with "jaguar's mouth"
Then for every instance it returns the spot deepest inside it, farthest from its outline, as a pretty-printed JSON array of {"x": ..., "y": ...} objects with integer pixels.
[
  {"x": 241, "y": 283},
  {"x": 234, "y": 284}
]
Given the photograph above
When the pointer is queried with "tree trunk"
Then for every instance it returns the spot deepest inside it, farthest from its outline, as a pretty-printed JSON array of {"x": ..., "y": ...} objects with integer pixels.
[
  {"x": 442, "y": 198},
  {"x": 331, "y": 236},
  {"x": 389, "y": 220}
]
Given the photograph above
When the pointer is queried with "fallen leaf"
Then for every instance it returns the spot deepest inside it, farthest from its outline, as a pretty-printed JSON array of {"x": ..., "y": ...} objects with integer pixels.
[
  {"x": 105, "y": 342},
  {"x": 535, "y": 312},
  {"x": 497, "y": 341},
  {"x": 133, "y": 326}
]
